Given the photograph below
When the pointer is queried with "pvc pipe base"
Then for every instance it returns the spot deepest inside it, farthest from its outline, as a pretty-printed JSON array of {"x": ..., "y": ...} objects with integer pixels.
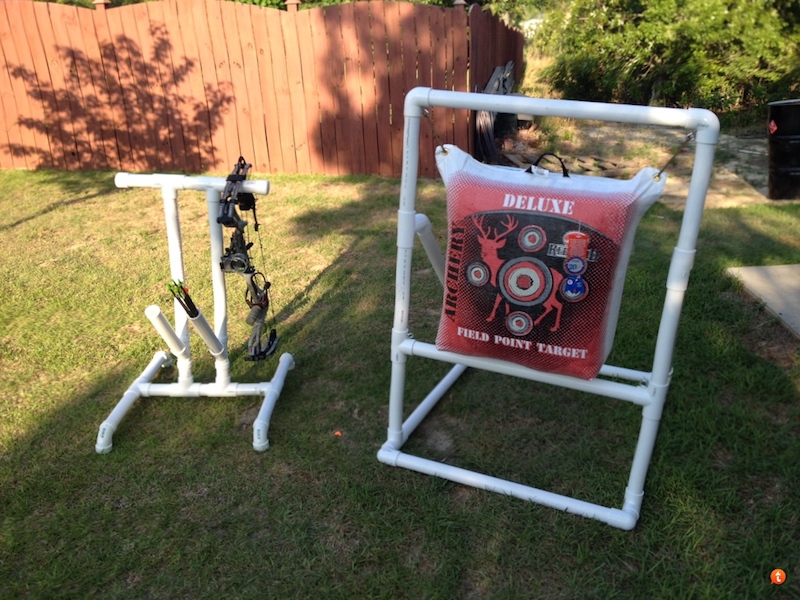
[
  {"x": 131, "y": 395},
  {"x": 142, "y": 387},
  {"x": 105, "y": 435},
  {"x": 261, "y": 424},
  {"x": 624, "y": 518}
]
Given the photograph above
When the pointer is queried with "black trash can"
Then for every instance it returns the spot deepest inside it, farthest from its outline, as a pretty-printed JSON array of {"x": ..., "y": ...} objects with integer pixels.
[{"x": 783, "y": 125}]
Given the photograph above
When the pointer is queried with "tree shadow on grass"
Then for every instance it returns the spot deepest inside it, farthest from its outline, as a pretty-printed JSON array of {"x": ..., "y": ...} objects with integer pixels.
[
  {"x": 184, "y": 506},
  {"x": 71, "y": 183}
]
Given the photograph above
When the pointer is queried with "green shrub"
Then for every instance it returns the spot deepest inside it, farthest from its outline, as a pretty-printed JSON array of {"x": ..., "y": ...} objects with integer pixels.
[{"x": 724, "y": 55}]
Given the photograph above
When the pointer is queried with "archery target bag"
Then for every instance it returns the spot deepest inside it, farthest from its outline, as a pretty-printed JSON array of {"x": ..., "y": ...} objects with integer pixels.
[{"x": 536, "y": 261}]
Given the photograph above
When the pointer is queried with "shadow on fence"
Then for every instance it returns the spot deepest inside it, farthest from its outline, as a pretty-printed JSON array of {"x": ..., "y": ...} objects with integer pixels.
[
  {"x": 78, "y": 136},
  {"x": 188, "y": 86}
]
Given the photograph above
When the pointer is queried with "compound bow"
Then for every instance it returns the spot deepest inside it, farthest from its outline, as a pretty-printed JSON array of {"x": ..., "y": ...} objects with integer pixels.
[{"x": 237, "y": 260}]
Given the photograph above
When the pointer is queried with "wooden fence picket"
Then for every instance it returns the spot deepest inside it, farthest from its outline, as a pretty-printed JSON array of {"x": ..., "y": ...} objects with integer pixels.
[{"x": 189, "y": 86}]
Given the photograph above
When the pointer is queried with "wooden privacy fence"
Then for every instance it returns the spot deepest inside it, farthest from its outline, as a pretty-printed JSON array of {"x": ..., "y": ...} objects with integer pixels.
[{"x": 189, "y": 86}]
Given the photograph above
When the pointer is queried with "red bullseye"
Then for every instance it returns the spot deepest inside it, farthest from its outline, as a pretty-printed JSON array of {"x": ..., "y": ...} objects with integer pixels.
[
  {"x": 531, "y": 238},
  {"x": 477, "y": 274},
  {"x": 525, "y": 281},
  {"x": 519, "y": 323}
]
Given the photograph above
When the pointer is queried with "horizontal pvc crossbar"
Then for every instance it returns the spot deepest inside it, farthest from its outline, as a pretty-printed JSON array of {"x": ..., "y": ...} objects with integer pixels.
[
  {"x": 142, "y": 387},
  {"x": 703, "y": 121},
  {"x": 612, "y": 389},
  {"x": 625, "y": 518},
  {"x": 186, "y": 182}
]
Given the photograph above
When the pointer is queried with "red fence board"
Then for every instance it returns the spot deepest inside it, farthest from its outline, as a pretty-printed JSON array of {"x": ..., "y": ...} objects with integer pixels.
[
  {"x": 188, "y": 86},
  {"x": 308, "y": 86}
]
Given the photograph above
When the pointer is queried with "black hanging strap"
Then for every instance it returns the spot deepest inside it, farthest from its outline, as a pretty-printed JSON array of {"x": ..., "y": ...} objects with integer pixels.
[{"x": 558, "y": 158}]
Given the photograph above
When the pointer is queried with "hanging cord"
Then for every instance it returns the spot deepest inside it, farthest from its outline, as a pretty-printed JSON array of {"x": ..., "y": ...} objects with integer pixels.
[
  {"x": 564, "y": 171},
  {"x": 437, "y": 142},
  {"x": 257, "y": 297},
  {"x": 267, "y": 285},
  {"x": 672, "y": 158}
]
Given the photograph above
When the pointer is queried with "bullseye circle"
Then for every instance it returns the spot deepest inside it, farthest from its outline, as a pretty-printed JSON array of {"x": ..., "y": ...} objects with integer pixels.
[
  {"x": 531, "y": 238},
  {"x": 519, "y": 323},
  {"x": 477, "y": 274},
  {"x": 525, "y": 281}
]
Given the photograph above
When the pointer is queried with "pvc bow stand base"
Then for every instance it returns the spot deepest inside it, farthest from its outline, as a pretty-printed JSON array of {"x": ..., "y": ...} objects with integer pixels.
[
  {"x": 646, "y": 389},
  {"x": 177, "y": 338}
]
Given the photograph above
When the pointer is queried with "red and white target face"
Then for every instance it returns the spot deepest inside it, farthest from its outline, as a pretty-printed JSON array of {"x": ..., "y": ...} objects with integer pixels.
[
  {"x": 525, "y": 281},
  {"x": 531, "y": 238},
  {"x": 519, "y": 323},
  {"x": 477, "y": 274}
]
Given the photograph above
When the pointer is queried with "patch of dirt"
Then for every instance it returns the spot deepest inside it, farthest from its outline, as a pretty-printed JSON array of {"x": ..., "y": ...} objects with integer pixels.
[{"x": 621, "y": 150}]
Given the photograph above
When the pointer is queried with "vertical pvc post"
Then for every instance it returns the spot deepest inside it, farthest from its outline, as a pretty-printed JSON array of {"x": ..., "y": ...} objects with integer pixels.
[
  {"x": 683, "y": 256},
  {"x": 406, "y": 228},
  {"x": 217, "y": 276},
  {"x": 176, "y": 271},
  {"x": 222, "y": 363},
  {"x": 677, "y": 284}
]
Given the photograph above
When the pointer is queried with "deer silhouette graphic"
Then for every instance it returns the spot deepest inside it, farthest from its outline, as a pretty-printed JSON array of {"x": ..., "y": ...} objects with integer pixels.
[
  {"x": 491, "y": 240},
  {"x": 552, "y": 302}
]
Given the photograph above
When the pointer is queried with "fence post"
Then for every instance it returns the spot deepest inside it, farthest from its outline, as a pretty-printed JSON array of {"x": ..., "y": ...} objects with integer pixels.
[
  {"x": 291, "y": 5},
  {"x": 462, "y": 3},
  {"x": 100, "y": 4}
]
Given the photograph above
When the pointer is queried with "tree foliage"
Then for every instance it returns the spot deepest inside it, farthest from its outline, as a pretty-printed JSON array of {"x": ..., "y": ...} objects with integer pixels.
[{"x": 720, "y": 54}]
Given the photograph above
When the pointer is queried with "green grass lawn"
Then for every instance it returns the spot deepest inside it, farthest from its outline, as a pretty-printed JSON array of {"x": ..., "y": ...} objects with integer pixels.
[{"x": 184, "y": 508}]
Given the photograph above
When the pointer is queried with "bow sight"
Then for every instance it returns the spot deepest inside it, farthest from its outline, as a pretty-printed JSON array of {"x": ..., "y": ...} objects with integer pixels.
[{"x": 237, "y": 259}]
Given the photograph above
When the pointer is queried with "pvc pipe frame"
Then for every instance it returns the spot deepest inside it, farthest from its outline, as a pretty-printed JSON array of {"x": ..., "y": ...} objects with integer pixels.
[
  {"x": 647, "y": 389},
  {"x": 177, "y": 338}
]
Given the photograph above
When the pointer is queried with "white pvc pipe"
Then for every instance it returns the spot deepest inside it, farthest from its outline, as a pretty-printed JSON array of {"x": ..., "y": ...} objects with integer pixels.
[
  {"x": 207, "y": 335},
  {"x": 109, "y": 426},
  {"x": 682, "y": 262},
  {"x": 406, "y": 224},
  {"x": 612, "y": 389},
  {"x": 397, "y": 384},
  {"x": 622, "y": 519},
  {"x": 431, "y": 400},
  {"x": 186, "y": 182},
  {"x": 165, "y": 330},
  {"x": 704, "y": 121},
  {"x": 142, "y": 387},
  {"x": 271, "y": 393},
  {"x": 623, "y": 373},
  {"x": 422, "y": 225},
  {"x": 175, "y": 247},
  {"x": 217, "y": 275},
  {"x": 174, "y": 342}
]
